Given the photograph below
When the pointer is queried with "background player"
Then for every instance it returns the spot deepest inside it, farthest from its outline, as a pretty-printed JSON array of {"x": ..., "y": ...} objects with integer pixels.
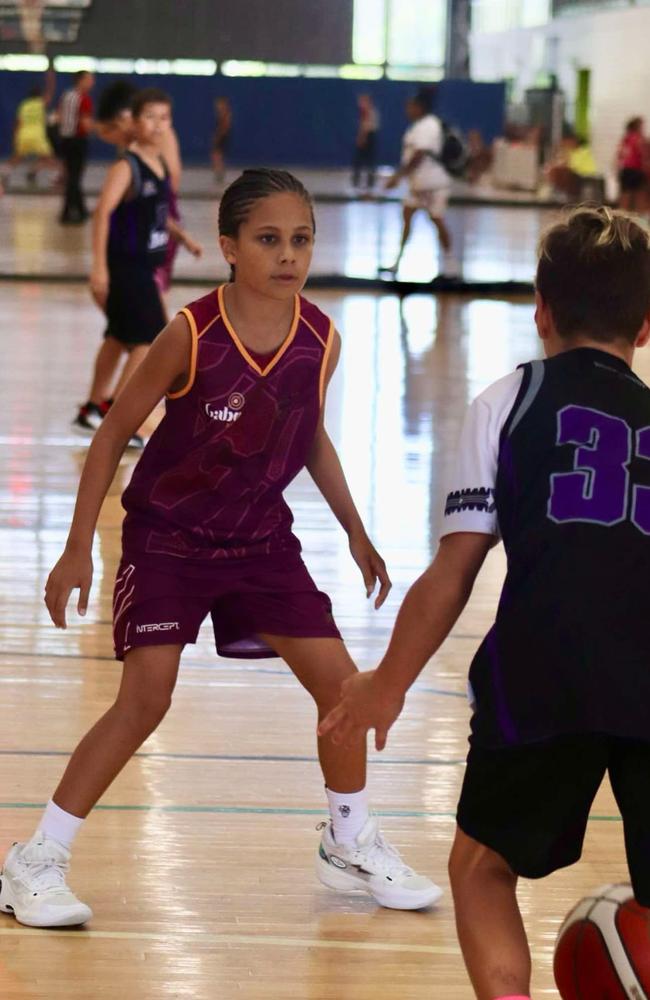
[
  {"x": 428, "y": 182},
  {"x": 553, "y": 457},
  {"x": 207, "y": 530},
  {"x": 130, "y": 237}
]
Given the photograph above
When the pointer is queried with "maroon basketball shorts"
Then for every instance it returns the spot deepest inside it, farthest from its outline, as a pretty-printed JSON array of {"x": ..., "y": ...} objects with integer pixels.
[{"x": 243, "y": 599}]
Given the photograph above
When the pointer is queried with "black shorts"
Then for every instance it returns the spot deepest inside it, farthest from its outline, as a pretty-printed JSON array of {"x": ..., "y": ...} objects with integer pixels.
[
  {"x": 134, "y": 309},
  {"x": 631, "y": 179},
  {"x": 531, "y": 803}
]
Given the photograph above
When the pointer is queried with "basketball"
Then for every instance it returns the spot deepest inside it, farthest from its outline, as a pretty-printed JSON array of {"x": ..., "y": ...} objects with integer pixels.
[{"x": 603, "y": 948}]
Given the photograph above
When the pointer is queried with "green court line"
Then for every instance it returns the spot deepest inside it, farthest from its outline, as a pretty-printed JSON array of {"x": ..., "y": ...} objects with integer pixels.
[{"x": 266, "y": 811}]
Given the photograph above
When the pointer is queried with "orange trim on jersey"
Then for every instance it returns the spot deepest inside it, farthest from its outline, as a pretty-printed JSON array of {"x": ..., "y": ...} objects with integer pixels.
[
  {"x": 191, "y": 322},
  {"x": 323, "y": 367},
  {"x": 315, "y": 332},
  {"x": 196, "y": 336},
  {"x": 242, "y": 347}
]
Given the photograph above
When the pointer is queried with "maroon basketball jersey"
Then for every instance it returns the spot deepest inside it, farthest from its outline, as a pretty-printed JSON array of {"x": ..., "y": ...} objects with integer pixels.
[{"x": 209, "y": 483}]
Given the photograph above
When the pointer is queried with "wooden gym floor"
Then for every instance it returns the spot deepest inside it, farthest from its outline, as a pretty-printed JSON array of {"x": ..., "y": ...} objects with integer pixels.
[{"x": 199, "y": 861}]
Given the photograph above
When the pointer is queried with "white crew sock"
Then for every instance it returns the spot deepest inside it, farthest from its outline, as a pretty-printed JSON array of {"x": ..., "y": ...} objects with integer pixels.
[
  {"x": 59, "y": 825},
  {"x": 349, "y": 812}
]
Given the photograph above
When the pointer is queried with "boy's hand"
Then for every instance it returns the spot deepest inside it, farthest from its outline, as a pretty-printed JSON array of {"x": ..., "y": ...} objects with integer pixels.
[
  {"x": 74, "y": 569},
  {"x": 194, "y": 248},
  {"x": 372, "y": 567},
  {"x": 366, "y": 703},
  {"x": 99, "y": 286}
]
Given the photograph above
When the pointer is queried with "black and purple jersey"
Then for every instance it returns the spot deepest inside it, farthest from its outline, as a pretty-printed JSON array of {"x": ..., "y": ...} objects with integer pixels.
[
  {"x": 209, "y": 485},
  {"x": 569, "y": 651},
  {"x": 138, "y": 226}
]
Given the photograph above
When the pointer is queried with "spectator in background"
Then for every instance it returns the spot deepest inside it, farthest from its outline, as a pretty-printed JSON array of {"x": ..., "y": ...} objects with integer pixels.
[
  {"x": 632, "y": 165},
  {"x": 221, "y": 141},
  {"x": 365, "y": 147},
  {"x": 570, "y": 164},
  {"x": 30, "y": 138},
  {"x": 479, "y": 157},
  {"x": 75, "y": 124}
]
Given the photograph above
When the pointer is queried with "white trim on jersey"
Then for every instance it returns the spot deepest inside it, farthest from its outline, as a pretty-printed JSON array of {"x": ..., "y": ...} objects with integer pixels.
[{"x": 470, "y": 499}]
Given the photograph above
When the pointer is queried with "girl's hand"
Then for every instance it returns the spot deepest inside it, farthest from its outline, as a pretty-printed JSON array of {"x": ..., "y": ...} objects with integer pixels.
[
  {"x": 366, "y": 703},
  {"x": 392, "y": 182},
  {"x": 99, "y": 286},
  {"x": 194, "y": 248},
  {"x": 73, "y": 570},
  {"x": 372, "y": 567}
]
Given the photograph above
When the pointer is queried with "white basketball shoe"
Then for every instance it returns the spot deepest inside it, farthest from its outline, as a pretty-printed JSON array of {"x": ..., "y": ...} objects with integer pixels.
[
  {"x": 33, "y": 886},
  {"x": 371, "y": 864}
]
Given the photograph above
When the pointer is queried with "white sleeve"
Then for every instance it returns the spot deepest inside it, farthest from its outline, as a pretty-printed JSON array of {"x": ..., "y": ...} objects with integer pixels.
[{"x": 470, "y": 504}]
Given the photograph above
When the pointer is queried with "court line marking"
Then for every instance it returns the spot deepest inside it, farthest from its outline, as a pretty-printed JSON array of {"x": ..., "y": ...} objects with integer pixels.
[
  {"x": 218, "y": 665},
  {"x": 241, "y": 758},
  {"x": 264, "y": 811},
  {"x": 270, "y": 941}
]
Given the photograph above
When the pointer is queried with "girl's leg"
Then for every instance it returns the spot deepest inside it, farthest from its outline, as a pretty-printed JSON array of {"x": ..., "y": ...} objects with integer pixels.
[
  {"x": 148, "y": 680},
  {"x": 106, "y": 363},
  {"x": 321, "y": 666},
  {"x": 352, "y": 854},
  {"x": 407, "y": 218},
  {"x": 490, "y": 929},
  {"x": 443, "y": 232}
]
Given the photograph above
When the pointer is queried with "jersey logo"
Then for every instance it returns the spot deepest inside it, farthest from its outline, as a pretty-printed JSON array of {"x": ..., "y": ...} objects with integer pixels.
[
  {"x": 149, "y": 188},
  {"x": 472, "y": 498},
  {"x": 159, "y": 627},
  {"x": 229, "y": 413}
]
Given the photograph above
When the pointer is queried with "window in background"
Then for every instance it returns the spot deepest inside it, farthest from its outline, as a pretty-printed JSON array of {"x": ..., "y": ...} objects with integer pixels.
[
  {"x": 488, "y": 16},
  {"x": 402, "y": 35}
]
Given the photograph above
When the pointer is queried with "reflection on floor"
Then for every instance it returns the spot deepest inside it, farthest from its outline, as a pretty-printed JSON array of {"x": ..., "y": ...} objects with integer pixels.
[{"x": 199, "y": 865}]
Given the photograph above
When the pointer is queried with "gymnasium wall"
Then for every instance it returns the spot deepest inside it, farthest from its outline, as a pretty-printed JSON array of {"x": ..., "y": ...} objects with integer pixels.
[
  {"x": 613, "y": 44},
  {"x": 307, "y": 122},
  {"x": 293, "y": 31}
]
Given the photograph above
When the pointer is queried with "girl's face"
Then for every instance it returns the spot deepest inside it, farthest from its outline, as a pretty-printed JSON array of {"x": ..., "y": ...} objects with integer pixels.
[
  {"x": 152, "y": 123},
  {"x": 273, "y": 248}
]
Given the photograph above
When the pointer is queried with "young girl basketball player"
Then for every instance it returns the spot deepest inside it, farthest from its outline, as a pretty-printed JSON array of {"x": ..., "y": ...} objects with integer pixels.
[{"x": 207, "y": 531}]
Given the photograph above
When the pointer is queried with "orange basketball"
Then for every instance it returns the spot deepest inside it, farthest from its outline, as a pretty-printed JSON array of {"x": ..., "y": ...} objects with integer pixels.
[{"x": 603, "y": 948}]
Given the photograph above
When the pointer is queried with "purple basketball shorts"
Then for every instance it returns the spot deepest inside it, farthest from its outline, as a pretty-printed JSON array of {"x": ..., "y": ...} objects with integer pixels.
[{"x": 244, "y": 599}]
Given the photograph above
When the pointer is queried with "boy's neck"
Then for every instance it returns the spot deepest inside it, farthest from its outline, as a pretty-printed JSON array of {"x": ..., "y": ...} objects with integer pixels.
[{"x": 618, "y": 348}]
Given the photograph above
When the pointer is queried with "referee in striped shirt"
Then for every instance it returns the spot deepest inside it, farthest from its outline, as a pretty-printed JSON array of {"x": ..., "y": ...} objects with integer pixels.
[{"x": 75, "y": 123}]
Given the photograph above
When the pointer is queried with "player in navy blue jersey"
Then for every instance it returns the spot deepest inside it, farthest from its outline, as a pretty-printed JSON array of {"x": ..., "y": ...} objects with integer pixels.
[
  {"x": 131, "y": 233},
  {"x": 554, "y": 459}
]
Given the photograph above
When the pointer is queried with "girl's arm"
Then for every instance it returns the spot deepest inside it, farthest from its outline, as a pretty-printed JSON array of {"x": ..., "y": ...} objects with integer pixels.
[
  {"x": 164, "y": 369},
  {"x": 115, "y": 187},
  {"x": 171, "y": 154},
  {"x": 373, "y": 700},
  {"x": 179, "y": 234},
  {"x": 325, "y": 469}
]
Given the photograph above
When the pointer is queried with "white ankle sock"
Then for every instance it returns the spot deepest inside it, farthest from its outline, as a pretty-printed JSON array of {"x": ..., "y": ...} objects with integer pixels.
[
  {"x": 59, "y": 825},
  {"x": 349, "y": 812}
]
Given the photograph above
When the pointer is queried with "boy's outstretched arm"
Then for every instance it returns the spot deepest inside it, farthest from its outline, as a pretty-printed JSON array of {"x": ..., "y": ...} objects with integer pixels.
[
  {"x": 373, "y": 700},
  {"x": 325, "y": 468}
]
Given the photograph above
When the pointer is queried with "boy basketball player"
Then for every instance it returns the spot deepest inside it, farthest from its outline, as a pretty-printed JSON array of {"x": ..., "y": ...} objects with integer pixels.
[
  {"x": 555, "y": 460},
  {"x": 131, "y": 234}
]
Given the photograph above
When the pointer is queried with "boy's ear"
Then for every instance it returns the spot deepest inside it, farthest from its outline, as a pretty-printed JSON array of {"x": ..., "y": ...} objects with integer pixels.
[
  {"x": 643, "y": 335},
  {"x": 541, "y": 317},
  {"x": 227, "y": 245}
]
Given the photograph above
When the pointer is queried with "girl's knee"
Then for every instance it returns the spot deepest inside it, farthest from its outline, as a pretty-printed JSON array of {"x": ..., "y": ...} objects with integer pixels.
[{"x": 146, "y": 710}]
